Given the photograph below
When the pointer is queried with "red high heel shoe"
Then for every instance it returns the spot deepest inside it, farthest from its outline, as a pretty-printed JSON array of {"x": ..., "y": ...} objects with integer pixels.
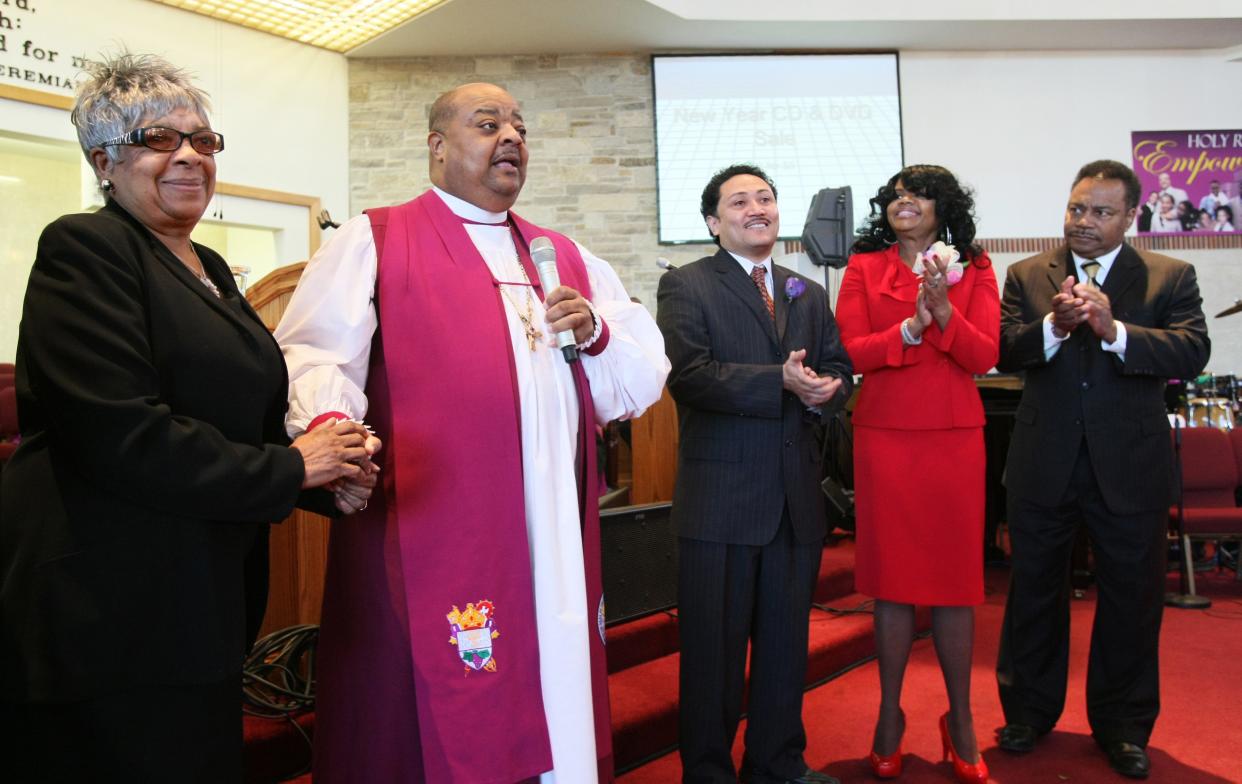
[
  {"x": 888, "y": 767},
  {"x": 966, "y": 772}
]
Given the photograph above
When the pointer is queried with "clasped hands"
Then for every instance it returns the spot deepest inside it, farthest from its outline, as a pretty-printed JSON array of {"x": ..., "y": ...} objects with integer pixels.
[
  {"x": 932, "y": 302},
  {"x": 337, "y": 456},
  {"x": 810, "y": 387},
  {"x": 1081, "y": 303}
]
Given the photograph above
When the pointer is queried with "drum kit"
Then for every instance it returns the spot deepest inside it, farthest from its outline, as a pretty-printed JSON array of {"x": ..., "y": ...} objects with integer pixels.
[{"x": 1211, "y": 400}]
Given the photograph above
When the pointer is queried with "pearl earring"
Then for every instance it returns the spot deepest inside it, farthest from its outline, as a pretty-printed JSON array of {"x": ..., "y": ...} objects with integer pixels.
[{"x": 106, "y": 185}]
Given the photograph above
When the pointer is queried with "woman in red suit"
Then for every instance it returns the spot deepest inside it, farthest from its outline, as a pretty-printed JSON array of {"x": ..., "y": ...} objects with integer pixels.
[{"x": 917, "y": 322}]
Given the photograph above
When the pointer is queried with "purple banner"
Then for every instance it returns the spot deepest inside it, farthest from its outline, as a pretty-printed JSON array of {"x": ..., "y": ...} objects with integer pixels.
[{"x": 1192, "y": 181}]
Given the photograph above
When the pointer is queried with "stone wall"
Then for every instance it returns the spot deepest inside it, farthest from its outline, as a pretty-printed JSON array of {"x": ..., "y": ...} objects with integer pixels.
[{"x": 591, "y": 138}]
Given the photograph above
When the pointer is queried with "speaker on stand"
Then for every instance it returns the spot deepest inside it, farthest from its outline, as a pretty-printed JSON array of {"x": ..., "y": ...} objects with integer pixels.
[
  {"x": 828, "y": 233},
  {"x": 1183, "y": 599}
]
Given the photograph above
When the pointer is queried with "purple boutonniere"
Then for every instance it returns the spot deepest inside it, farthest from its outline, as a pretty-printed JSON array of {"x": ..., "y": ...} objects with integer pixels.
[{"x": 794, "y": 288}]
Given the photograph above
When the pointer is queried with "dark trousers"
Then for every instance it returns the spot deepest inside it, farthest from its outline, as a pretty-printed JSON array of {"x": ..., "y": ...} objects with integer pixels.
[
  {"x": 729, "y": 595},
  {"x": 151, "y": 734},
  {"x": 1123, "y": 675}
]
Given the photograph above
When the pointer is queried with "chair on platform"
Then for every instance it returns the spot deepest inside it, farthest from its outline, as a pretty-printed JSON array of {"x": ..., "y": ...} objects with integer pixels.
[
  {"x": 8, "y": 423},
  {"x": 1209, "y": 485},
  {"x": 1235, "y": 438}
]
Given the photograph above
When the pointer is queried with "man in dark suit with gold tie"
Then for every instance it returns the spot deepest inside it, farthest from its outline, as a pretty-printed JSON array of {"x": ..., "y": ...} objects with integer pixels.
[
  {"x": 756, "y": 357},
  {"x": 1098, "y": 327}
]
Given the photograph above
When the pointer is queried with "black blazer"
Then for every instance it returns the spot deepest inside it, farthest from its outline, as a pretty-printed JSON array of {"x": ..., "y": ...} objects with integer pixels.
[
  {"x": 133, "y": 517},
  {"x": 1085, "y": 391},
  {"x": 746, "y": 445}
]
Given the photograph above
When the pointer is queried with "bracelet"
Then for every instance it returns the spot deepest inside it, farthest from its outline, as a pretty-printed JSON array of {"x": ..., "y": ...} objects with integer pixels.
[{"x": 906, "y": 337}]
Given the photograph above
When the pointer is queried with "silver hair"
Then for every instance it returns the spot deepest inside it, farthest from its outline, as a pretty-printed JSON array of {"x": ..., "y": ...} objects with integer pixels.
[{"x": 127, "y": 89}]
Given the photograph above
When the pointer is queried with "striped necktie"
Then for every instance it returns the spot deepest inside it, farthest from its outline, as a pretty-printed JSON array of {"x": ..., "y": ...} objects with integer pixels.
[
  {"x": 759, "y": 274},
  {"x": 1091, "y": 269}
]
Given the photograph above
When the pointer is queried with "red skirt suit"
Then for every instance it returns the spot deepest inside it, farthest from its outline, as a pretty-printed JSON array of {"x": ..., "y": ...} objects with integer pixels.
[{"x": 918, "y": 431}]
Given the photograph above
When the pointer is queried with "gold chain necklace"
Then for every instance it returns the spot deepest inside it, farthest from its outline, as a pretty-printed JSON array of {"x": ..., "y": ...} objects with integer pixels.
[{"x": 527, "y": 318}]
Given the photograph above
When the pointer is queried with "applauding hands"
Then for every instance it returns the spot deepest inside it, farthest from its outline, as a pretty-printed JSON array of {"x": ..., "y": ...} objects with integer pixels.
[
  {"x": 933, "y": 296},
  {"x": 1081, "y": 303},
  {"x": 810, "y": 387}
]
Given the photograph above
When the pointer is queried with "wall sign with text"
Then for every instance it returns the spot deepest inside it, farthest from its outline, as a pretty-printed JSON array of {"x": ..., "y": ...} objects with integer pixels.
[
  {"x": 34, "y": 50},
  {"x": 1192, "y": 181}
]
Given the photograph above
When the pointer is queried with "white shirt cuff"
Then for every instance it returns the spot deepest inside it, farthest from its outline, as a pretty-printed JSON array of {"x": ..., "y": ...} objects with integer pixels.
[
  {"x": 1118, "y": 346},
  {"x": 599, "y": 327},
  {"x": 1051, "y": 341}
]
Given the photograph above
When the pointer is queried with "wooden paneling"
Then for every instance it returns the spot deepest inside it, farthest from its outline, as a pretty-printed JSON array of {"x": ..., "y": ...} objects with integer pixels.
[
  {"x": 270, "y": 295},
  {"x": 653, "y": 442},
  {"x": 37, "y": 97},
  {"x": 299, "y": 544},
  {"x": 299, "y": 556}
]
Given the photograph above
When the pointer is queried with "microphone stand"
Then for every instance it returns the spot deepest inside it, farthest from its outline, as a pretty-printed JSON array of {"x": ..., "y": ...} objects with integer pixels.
[{"x": 1185, "y": 599}]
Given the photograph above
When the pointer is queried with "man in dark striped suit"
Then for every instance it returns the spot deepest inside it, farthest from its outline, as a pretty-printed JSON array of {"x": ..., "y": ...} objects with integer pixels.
[{"x": 756, "y": 357}]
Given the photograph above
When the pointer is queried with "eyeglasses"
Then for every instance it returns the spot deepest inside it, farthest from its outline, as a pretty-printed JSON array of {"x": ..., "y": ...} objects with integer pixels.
[{"x": 203, "y": 142}]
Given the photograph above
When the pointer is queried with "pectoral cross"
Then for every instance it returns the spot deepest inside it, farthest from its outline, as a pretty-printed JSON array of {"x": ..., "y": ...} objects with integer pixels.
[{"x": 532, "y": 334}]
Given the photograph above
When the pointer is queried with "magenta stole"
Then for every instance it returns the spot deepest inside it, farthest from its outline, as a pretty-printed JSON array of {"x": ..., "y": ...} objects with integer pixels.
[{"x": 443, "y": 399}]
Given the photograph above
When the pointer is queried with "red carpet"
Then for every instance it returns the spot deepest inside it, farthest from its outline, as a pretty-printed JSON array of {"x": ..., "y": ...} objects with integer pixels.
[
  {"x": 643, "y": 660},
  {"x": 1197, "y": 740}
]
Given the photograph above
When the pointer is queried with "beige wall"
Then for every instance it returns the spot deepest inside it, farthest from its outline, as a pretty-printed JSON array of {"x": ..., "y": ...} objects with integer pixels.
[
  {"x": 592, "y": 146},
  {"x": 40, "y": 180}
]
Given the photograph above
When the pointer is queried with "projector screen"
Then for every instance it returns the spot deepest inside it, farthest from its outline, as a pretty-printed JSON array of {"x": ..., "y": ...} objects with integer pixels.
[{"x": 809, "y": 121}]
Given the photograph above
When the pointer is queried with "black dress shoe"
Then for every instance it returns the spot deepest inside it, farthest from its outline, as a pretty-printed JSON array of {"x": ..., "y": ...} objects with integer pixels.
[
  {"x": 808, "y": 777},
  {"x": 1017, "y": 738},
  {"x": 1128, "y": 759}
]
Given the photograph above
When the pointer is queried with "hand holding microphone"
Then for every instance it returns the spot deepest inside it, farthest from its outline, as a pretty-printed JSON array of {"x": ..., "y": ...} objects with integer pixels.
[{"x": 567, "y": 312}]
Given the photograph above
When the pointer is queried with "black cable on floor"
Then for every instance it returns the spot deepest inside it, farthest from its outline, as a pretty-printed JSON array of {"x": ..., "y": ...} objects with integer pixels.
[
  {"x": 866, "y": 608},
  {"x": 278, "y": 679}
]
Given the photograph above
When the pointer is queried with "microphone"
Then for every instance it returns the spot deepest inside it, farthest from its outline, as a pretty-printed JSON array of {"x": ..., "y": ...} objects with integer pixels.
[
  {"x": 544, "y": 255},
  {"x": 665, "y": 264}
]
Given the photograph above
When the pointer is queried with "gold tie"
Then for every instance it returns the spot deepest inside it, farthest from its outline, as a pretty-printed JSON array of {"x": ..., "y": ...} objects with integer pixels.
[
  {"x": 759, "y": 274},
  {"x": 1091, "y": 269}
]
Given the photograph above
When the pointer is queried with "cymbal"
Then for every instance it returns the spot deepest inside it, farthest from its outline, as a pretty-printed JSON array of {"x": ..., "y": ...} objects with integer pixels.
[{"x": 1236, "y": 307}]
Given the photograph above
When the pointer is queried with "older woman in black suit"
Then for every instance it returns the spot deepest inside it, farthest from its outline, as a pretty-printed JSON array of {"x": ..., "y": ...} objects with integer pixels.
[{"x": 133, "y": 530}]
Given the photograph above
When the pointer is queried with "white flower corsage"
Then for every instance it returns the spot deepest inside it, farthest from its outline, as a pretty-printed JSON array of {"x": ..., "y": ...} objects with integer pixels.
[{"x": 945, "y": 253}]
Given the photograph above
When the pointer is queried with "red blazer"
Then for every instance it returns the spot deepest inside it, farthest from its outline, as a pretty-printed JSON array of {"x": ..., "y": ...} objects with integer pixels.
[{"x": 902, "y": 384}]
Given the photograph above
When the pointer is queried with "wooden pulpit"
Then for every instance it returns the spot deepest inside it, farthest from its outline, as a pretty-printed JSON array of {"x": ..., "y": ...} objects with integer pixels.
[{"x": 299, "y": 544}]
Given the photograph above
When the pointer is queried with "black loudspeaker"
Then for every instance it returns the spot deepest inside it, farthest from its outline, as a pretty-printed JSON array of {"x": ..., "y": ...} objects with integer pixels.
[
  {"x": 639, "y": 549},
  {"x": 829, "y": 230}
]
